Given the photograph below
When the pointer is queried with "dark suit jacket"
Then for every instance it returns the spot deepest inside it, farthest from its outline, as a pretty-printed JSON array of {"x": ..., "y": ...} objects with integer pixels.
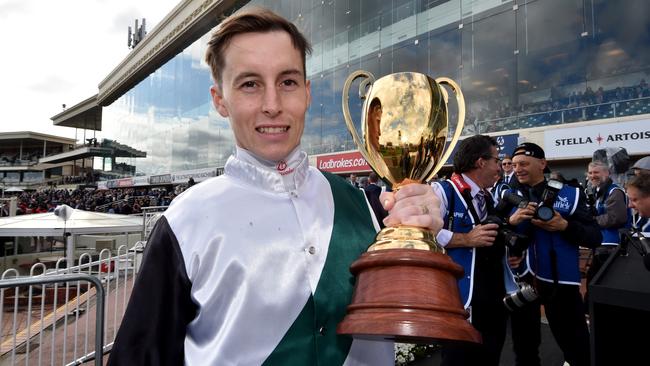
[
  {"x": 372, "y": 192},
  {"x": 514, "y": 183}
]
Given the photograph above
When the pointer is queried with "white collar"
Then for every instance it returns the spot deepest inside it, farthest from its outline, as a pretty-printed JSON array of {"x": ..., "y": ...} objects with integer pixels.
[
  {"x": 266, "y": 175},
  {"x": 473, "y": 186}
]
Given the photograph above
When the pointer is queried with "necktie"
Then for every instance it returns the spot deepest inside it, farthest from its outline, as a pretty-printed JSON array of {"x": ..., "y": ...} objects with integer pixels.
[{"x": 482, "y": 205}]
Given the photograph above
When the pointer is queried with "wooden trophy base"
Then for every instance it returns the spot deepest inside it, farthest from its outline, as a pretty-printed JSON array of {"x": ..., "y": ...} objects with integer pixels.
[{"x": 407, "y": 295}]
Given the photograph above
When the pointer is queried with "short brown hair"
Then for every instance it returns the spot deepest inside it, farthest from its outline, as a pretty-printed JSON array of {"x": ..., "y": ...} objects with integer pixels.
[
  {"x": 640, "y": 182},
  {"x": 250, "y": 20}
]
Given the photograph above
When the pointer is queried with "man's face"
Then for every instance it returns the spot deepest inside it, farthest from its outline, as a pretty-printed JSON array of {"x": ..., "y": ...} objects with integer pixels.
[
  {"x": 263, "y": 93},
  {"x": 374, "y": 126},
  {"x": 490, "y": 169},
  {"x": 597, "y": 175},
  {"x": 529, "y": 170},
  {"x": 638, "y": 201},
  {"x": 506, "y": 165}
]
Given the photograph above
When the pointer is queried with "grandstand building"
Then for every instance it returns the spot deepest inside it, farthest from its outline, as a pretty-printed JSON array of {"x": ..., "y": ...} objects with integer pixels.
[
  {"x": 31, "y": 160},
  {"x": 21, "y": 159},
  {"x": 571, "y": 76}
]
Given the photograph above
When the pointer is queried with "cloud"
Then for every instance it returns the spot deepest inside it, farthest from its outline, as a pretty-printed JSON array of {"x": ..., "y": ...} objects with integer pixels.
[
  {"x": 125, "y": 18},
  {"x": 13, "y": 8},
  {"x": 51, "y": 84}
]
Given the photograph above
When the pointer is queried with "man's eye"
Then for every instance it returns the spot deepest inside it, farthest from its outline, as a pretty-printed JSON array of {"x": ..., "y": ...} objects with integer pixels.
[
  {"x": 248, "y": 84},
  {"x": 289, "y": 82}
]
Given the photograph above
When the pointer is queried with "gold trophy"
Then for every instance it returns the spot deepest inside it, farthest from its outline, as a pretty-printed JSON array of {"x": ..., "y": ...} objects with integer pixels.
[{"x": 406, "y": 286}]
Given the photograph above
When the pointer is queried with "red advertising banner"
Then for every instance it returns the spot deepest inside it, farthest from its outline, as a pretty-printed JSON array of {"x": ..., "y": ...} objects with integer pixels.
[
  {"x": 349, "y": 162},
  {"x": 125, "y": 182}
]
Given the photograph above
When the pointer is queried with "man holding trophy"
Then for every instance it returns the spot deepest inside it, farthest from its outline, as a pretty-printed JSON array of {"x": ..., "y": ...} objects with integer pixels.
[{"x": 252, "y": 267}]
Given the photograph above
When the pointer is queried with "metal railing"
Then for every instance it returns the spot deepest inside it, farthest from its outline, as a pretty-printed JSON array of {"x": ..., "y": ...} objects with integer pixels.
[
  {"x": 45, "y": 318},
  {"x": 150, "y": 216}
]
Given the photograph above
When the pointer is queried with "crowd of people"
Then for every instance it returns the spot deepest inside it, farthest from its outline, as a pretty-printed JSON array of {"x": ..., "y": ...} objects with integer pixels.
[
  {"x": 124, "y": 201},
  {"x": 515, "y": 256},
  {"x": 541, "y": 225},
  {"x": 574, "y": 105}
]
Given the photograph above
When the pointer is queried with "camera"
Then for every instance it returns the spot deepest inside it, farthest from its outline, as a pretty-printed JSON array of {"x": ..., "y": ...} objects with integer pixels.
[
  {"x": 590, "y": 192},
  {"x": 515, "y": 242},
  {"x": 544, "y": 210},
  {"x": 525, "y": 295},
  {"x": 508, "y": 200}
]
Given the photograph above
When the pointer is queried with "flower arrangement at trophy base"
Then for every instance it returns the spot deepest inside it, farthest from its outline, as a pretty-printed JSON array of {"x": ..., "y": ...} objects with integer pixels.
[
  {"x": 406, "y": 286},
  {"x": 405, "y": 353}
]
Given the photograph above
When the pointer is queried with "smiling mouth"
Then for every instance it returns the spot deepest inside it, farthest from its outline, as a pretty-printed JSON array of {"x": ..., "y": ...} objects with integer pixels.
[{"x": 272, "y": 130}]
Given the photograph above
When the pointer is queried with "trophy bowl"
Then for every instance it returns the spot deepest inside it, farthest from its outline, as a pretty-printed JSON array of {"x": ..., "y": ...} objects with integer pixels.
[{"x": 406, "y": 287}]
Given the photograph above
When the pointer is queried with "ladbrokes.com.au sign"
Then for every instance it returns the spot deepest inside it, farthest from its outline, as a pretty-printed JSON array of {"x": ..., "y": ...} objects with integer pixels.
[{"x": 351, "y": 162}]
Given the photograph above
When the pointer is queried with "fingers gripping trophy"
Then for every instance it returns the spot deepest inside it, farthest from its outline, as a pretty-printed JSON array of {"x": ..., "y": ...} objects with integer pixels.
[{"x": 406, "y": 285}]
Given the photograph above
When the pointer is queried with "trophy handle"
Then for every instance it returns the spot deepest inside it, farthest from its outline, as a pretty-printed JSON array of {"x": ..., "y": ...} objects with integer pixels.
[
  {"x": 461, "y": 117},
  {"x": 370, "y": 78}
]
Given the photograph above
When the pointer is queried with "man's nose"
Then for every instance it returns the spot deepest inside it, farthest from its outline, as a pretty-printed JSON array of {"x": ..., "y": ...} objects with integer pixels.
[{"x": 271, "y": 105}]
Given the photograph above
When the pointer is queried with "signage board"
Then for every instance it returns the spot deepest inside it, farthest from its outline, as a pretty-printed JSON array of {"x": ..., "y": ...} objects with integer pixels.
[{"x": 582, "y": 141}]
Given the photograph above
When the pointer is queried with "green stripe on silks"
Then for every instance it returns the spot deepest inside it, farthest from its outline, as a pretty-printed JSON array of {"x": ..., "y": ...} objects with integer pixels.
[{"x": 305, "y": 343}]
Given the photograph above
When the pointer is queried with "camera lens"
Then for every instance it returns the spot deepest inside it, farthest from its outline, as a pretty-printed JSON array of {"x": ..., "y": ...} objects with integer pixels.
[
  {"x": 544, "y": 213},
  {"x": 525, "y": 295}
]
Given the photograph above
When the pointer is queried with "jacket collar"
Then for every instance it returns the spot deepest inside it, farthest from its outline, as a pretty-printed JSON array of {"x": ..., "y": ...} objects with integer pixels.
[{"x": 281, "y": 176}]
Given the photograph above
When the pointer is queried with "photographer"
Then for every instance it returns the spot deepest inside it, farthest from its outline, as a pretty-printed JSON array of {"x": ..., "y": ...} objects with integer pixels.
[
  {"x": 557, "y": 220},
  {"x": 523, "y": 304},
  {"x": 640, "y": 194},
  {"x": 465, "y": 204},
  {"x": 610, "y": 203},
  {"x": 611, "y": 213},
  {"x": 638, "y": 191}
]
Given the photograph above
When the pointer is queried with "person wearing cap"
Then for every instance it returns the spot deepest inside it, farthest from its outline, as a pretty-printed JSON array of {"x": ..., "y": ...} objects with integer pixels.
[
  {"x": 553, "y": 255},
  {"x": 471, "y": 242},
  {"x": 642, "y": 166}
]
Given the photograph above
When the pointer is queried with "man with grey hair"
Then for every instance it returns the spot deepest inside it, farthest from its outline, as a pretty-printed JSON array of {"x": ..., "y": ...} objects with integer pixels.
[{"x": 611, "y": 212}]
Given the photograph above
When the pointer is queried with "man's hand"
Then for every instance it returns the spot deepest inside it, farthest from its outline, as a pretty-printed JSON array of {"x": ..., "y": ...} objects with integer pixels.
[
  {"x": 523, "y": 214},
  {"x": 557, "y": 223},
  {"x": 480, "y": 236},
  {"x": 413, "y": 205}
]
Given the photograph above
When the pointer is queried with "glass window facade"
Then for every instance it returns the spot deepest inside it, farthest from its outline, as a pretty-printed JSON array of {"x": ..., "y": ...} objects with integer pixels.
[{"x": 520, "y": 64}]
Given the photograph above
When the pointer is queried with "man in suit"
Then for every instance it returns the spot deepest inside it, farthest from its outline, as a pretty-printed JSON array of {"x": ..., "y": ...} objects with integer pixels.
[
  {"x": 508, "y": 181},
  {"x": 372, "y": 193},
  {"x": 353, "y": 180},
  {"x": 508, "y": 171},
  {"x": 472, "y": 243}
]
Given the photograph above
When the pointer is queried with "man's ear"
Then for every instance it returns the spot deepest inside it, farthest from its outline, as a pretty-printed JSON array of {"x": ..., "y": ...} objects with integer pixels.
[
  {"x": 478, "y": 164},
  {"x": 218, "y": 101},
  {"x": 308, "y": 89}
]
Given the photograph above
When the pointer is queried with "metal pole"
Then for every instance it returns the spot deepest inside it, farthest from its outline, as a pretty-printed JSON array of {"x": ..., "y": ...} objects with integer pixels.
[{"x": 70, "y": 249}]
